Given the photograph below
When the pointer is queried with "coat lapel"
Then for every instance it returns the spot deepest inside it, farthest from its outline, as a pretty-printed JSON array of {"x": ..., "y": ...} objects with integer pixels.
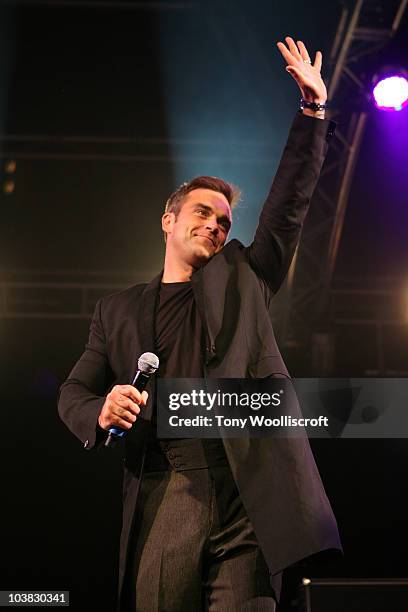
[
  {"x": 218, "y": 310},
  {"x": 146, "y": 332},
  {"x": 145, "y": 319},
  {"x": 197, "y": 282}
]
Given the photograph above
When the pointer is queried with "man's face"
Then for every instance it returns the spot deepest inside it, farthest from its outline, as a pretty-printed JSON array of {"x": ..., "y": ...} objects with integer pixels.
[{"x": 200, "y": 229}]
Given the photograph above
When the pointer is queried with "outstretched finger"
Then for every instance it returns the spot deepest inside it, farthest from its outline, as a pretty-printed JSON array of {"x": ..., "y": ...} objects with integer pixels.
[
  {"x": 318, "y": 61},
  {"x": 303, "y": 51},
  {"x": 288, "y": 57},
  {"x": 293, "y": 48}
]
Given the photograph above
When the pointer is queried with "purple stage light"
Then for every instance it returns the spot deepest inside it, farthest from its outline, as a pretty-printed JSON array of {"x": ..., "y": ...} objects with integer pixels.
[{"x": 391, "y": 93}]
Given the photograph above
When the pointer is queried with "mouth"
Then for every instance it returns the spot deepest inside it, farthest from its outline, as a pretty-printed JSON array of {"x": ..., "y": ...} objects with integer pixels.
[{"x": 207, "y": 238}]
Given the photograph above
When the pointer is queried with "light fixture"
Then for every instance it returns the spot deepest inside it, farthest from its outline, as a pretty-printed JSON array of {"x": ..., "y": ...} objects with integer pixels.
[{"x": 390, "y": 89}]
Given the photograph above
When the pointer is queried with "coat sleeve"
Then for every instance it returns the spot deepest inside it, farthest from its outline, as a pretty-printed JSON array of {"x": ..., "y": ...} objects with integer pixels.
[
  {"x": 82, "y": 395},
  {"x": 284, "y": 211}
]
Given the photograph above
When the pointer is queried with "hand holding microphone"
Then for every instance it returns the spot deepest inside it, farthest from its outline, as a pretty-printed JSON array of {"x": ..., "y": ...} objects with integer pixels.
[
  {"x": 121, "y": 407},
  {"x": 123, "y": 404}
]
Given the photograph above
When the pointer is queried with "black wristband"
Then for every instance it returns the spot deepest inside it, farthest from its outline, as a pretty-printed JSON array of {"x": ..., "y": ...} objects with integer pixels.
[{"x": 314, "y": 106}]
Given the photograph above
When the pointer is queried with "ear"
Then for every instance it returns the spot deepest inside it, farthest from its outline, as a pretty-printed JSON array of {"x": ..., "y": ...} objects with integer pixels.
[{"x": 168, "y": 220}]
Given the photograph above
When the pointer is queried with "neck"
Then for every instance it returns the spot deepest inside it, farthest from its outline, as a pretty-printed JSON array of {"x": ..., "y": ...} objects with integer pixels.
[{"x": 175, "y": 271}]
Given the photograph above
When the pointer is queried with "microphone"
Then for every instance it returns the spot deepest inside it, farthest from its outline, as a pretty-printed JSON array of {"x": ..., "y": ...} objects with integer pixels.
[{"x": 146, "y": 366}]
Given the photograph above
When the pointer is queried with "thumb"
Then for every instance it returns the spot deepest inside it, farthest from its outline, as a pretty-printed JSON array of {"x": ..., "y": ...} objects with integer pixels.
[{"x": 293, "y": 71}]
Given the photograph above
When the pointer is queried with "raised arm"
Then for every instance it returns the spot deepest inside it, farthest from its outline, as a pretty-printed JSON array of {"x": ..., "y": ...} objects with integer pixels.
[{"x": 283, "y": 213}]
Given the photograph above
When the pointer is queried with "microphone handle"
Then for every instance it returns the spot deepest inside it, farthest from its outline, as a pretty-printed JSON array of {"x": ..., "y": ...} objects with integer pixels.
[{"x": 116, "y": 433}]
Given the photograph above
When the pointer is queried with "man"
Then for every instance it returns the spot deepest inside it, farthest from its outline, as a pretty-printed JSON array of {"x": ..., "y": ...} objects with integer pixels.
[{"x": 209, "y": 524}]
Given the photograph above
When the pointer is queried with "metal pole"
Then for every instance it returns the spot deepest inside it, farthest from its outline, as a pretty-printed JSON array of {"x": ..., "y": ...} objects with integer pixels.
[
  {"x": 334, "y": 81},
  {"x": 342, "y": 201}
]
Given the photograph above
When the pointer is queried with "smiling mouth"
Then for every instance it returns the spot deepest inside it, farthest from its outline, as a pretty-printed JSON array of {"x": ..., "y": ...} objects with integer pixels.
[{"x": 207, "y": 237}]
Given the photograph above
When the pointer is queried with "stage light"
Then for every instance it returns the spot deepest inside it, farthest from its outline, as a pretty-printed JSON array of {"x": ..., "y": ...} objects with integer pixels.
[
  {"x": 10, "y": 166},
  {"x": 390, "y": 91},
  {"x": 8, "y": 187}
]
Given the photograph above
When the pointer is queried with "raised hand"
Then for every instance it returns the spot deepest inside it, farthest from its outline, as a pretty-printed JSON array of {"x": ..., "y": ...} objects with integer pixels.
[{"x": 306, "y": 74}]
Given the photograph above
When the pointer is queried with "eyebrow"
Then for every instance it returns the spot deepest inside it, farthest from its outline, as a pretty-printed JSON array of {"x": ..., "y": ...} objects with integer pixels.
[{"x": 209, "y": 209}]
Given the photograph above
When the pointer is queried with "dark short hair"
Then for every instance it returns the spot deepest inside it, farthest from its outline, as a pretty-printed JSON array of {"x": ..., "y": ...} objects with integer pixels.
[{"x": 230, "y": 191}]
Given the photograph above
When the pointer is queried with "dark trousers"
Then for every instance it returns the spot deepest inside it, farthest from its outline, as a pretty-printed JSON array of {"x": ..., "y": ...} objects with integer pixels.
[{"x": 194, "y": 548}]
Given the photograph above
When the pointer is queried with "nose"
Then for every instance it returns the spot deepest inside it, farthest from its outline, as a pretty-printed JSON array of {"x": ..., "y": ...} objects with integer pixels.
[{"x": 212, "y": 225}]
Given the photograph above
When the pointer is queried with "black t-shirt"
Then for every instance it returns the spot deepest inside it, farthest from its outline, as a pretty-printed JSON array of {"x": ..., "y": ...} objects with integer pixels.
[{"x": 178, "y": 332}]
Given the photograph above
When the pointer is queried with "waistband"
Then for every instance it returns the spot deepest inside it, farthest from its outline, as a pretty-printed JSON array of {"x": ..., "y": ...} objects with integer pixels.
[{"x": 184, "y": 454}]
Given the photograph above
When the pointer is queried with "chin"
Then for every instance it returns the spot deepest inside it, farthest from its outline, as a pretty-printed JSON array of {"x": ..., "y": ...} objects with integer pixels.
[{"x": 201, "y": 256}]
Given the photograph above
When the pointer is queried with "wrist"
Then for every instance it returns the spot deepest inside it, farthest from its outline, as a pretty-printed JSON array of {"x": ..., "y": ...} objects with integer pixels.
[
  {"x": 313, "y": 109},
  {"x": 311, "y": 113},
  {"x": 314, "y": 106},
  {"x": 310, "y": 100}
]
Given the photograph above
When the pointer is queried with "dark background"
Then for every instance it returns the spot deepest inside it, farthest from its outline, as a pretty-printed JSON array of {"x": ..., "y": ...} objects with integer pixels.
[{"x": 106, "y": 107}]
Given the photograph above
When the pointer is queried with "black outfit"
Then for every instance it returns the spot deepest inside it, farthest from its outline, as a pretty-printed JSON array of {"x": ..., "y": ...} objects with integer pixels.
[
  {"x": 193, "y": 546},
  {"x": 277, "y": 479}
]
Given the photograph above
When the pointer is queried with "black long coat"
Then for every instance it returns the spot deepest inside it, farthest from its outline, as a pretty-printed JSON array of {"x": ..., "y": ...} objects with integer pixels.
[{"x": 277, "y": 478}]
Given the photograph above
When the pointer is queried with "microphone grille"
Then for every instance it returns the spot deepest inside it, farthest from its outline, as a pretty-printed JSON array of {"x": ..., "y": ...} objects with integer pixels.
[{"x": 148, "y": 363}]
